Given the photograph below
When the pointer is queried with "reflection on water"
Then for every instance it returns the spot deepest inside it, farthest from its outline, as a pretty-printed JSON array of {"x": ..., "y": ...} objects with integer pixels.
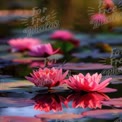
[
  {"x": 90, "y": 100},
  {"x": 66, "y": 106}
]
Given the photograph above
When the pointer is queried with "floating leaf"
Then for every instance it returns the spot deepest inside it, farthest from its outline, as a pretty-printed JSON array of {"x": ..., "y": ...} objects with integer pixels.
[
  {"x": 65, "y": 116},
  {"x": 19, "y": 119},
  {"x": 84, "y": 66},
  {"x": 15, "y": 102},
  {"x": 116, "y": 102},
  {"x": 106, "y": 113}
]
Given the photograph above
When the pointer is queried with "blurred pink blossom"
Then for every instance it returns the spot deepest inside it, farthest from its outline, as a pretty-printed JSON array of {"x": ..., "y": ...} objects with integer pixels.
[
  {"x": 42, "y": 50},
  {"x": 62, "y": 34},
  {"x": 109, "y": 5},
  {"x": 98, "y": 19},
  {"x": 66, "y": 36},
  {"x": 22, "y": 44},
  {"x": 89, "y": 83},
  {"x": 47, "y": 77}
]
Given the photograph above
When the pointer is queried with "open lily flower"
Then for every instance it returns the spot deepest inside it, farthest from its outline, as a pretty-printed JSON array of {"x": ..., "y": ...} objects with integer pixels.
[
  {"x": 49, "y": 102},
  {"x": 65, "y": 36},
  {"x": 89, "y": 100},
  {"x": 23, "y": 44},
  {"x": 89, "y": 83},
  {"x": 98, "y": 19},
  {"x": 47, "y": 77},
  {"x": 42, "y": 50}
]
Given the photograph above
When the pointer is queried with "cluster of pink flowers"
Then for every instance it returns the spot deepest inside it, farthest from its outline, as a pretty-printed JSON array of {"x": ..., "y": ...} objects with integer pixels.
[
  {"x": 34, "y": 46},
  {"x": 51, "y": 77}
]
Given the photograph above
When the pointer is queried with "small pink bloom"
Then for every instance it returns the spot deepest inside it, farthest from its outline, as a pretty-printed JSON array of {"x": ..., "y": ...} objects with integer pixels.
[
  {"x": 90, "y": 100},
  {"x": 49, "y": 102},
  {"x": 47, "y": 77},
  {"x": 98, "y": 19},
  {"x": 89, "y": 83},
  {"x": 22, "y": 44},
  {"x": 66, "y": 36},
  {"x": 109, "y": 5},
  {"x": 62, "y": 34},
  {"x": 42, "y": 50}
]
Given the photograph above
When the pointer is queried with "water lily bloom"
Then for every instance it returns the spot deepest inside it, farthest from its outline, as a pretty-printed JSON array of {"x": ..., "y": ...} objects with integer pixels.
[
  {"x": 98, "y": 20},
  {"x": 22, "y": 44},
  {"x": 62, "y": 34},
  {"x": 42, "y": 50},
  {"x": 47, "y": 77},
  {"x": 90, "y": 100},
  {"x": 49, "y": 102},
  {"x": 65, "y": 36},
  {"x": 89, "y": 83}
]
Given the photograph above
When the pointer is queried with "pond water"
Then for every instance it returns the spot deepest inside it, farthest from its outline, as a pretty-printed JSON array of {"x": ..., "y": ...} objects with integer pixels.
[{"x": 21, "y": 101}]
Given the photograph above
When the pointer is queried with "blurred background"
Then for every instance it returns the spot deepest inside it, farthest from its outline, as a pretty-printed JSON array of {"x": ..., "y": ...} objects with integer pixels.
[{"x": 71, "y": 14}]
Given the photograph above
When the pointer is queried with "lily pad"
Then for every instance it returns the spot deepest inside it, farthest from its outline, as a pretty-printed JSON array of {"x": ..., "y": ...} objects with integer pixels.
[
  {"x": 103, "y": 114},
  {"x": 19, "y": 119},
  {"x": 64, "y": 116},
  {"x": 83, "y": 66}
]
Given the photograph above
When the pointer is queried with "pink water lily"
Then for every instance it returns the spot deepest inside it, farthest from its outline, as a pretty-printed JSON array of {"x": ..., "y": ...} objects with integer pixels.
[
  {"x": 62, "y": 34},
  {"x": 23, "y": 44},
  {"x": 65, "y": 36},
  {"x": 42, "y": 50},
  {"x": 89, "y": 83},
  {"x": 47, "y": 77}
]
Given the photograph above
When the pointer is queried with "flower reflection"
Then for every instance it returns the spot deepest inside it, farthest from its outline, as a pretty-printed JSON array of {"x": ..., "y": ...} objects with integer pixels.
[
  {"x": 90, "y": 100},
  {"x": 49, "y": 102}
]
